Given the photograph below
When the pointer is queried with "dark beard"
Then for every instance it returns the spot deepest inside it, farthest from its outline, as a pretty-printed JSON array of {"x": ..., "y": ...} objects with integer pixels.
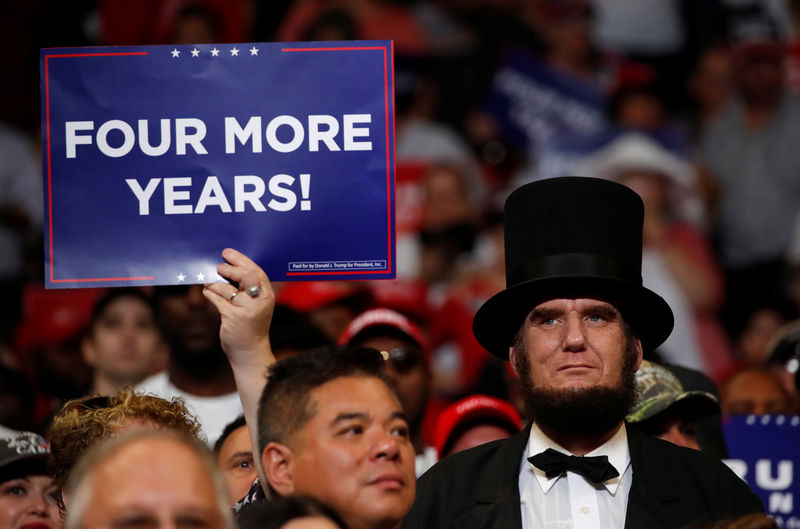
[{"x": 579, "y": 411}]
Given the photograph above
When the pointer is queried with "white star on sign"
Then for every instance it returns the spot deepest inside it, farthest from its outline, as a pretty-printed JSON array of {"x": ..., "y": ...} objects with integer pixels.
[
  {"x": 195, "y": 52},
  {"x": 253, "y": 51},
  {"x": 201, "y": 277},
  {"x": 181, "y": 278},
  {"x": 175, "y": 52},
  {"x": 234, "y": 52},
  {"x": 214, "y": 52}
]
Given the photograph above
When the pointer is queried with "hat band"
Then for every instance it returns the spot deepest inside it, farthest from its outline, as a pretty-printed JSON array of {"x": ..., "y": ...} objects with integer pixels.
[{"x": 573, "y": 264}]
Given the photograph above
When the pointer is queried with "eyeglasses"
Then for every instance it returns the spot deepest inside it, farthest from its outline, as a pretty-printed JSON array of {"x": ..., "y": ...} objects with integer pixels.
[{"x": 403, "y": 359}]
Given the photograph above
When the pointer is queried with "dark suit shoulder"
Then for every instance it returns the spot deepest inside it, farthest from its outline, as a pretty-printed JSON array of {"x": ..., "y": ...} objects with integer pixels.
[
  {"x": 691, "y": 482},
  {"x": 687, "y": 461},
  {"x": 464, "y": 487},
  {"x": 462, "y": 462}
]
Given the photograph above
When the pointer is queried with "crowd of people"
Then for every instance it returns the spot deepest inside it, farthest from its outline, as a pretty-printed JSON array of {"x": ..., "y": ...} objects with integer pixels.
[{"x": 543, "y": 312}]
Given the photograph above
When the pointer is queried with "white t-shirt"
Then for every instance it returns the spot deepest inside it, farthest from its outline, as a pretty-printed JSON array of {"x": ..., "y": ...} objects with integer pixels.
[{"x": 214, "y": 413}]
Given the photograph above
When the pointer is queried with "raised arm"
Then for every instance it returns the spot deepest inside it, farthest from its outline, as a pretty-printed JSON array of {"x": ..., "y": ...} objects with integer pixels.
[{"x": 244, "y": 331}]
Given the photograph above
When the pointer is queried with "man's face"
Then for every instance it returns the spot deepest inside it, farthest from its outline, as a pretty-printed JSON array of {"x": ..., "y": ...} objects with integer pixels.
[
  {"x": 409, "y": 376},
  {"x": 576, "y": 366},
  {"x": 125, "y": 342},
  {"x": 755, "y": 392},
  {"x": 759, "y": 74},
  {"x": 575, "y": 343},
  {"x": 355, "y": 453},
  {"x": 152, "y": 484},
  {"x": 236, "y": 461},
  {"x": 189, "y": 320}
]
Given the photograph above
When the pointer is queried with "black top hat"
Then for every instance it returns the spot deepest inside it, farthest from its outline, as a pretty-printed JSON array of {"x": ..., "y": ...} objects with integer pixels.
[{"x": 572, "y": 237}]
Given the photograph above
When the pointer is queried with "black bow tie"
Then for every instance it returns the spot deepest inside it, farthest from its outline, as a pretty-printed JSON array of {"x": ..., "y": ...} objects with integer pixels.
[{"x": 596, "y": 469}]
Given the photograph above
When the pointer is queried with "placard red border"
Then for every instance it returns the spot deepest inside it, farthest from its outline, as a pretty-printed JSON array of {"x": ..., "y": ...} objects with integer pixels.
[
  {"x": 389, "y": 182},
  {"x": 49, "y": 165}
]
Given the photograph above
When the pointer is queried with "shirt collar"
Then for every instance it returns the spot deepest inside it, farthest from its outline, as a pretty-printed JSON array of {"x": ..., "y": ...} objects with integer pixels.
[{"x": 615, "y": 448}]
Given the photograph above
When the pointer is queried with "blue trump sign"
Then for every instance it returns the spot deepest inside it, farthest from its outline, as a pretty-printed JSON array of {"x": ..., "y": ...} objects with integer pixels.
[
  {"x": 763, "y": 451},
  {"x": 158, "y": 157},
  {"x": 534, "y": 103}
]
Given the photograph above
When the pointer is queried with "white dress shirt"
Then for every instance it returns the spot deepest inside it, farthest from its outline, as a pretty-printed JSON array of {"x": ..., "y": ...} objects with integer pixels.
[{"x": 569, "y": 501}]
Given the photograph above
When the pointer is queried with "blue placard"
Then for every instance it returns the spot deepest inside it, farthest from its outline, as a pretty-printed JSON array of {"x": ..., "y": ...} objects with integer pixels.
[
  {"x": 534, "y": 103},
  {"x": 764, "y": 450},
  {"x": 158, "y": 157},
  {"x": 563, "y": 154}
]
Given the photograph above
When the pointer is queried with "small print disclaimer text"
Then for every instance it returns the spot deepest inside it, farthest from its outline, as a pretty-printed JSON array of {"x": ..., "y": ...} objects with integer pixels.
[{"x": 331, "y": 266}]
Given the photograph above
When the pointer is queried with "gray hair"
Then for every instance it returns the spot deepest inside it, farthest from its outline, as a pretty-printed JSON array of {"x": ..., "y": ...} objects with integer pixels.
[{"x": 78, "y": 487}]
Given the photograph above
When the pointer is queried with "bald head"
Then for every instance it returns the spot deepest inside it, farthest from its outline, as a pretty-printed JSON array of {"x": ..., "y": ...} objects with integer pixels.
[{"x": 151, "y": 479}]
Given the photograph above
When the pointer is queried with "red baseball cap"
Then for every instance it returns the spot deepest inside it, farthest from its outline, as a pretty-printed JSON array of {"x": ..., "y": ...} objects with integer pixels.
[
  {"x": 383, "y": 317},
  {"x": 472, "y": 409}
]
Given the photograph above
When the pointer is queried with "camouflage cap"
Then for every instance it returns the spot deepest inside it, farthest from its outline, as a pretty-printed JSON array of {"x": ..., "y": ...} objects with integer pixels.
[{"x": 657, "y": 389}]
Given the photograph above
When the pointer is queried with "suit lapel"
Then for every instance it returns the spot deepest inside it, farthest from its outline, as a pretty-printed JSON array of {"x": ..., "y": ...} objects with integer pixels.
[
  {"x": 650, "y": 496},
  {"x": 497, "y": 496}
]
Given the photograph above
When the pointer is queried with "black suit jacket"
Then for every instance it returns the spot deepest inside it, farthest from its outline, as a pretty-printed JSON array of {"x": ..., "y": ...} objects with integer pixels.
[{"x": 672, "y": 486}]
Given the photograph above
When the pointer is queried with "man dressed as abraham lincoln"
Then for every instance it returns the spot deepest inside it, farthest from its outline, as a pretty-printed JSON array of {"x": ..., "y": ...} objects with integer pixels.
[{"x": 573, "y": 320}]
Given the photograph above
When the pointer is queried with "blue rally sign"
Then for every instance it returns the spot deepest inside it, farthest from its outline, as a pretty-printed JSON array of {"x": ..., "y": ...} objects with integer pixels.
[
  {"x": 763, "y": 451},
  {"x": 158, "y": 157}
]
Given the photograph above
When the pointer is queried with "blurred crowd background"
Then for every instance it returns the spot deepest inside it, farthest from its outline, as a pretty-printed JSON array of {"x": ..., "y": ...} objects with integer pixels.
[{"x": 692, "y": 103}]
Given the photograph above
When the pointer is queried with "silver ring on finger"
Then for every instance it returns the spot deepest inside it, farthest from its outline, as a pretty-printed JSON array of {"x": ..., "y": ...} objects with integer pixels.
[{"x": 253, "y": 292}]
